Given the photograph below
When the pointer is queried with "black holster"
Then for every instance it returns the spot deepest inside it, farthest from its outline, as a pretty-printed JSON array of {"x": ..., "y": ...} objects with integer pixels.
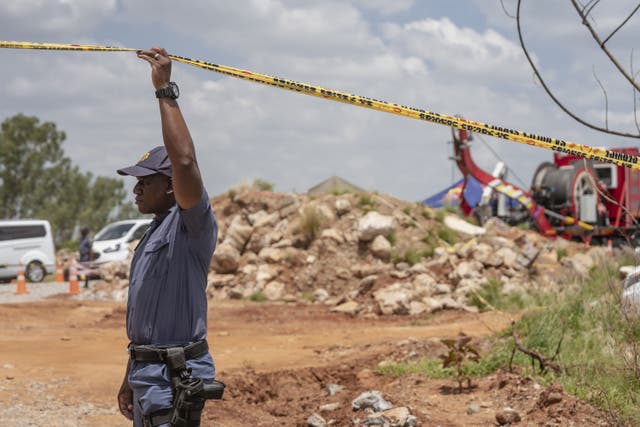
[{"x": 189, "y": 393}]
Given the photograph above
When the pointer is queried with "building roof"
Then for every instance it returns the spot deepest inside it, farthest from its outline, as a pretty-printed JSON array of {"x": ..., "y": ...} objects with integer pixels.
[{"x": 334, "y": 184}]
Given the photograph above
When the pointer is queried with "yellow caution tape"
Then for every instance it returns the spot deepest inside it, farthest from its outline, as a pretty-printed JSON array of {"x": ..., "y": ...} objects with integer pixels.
[{"x": 556, "y": 144}]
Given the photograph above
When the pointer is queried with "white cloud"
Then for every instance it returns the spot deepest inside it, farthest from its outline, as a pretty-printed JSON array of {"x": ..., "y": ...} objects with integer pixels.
[
  {"x": 242, "y": 130},
  {"x": 385, "y": 7},
  {"x": 57, "y": 18},
  {"x": 255, "y": 27},
  {"x": 447, "y": 46}
]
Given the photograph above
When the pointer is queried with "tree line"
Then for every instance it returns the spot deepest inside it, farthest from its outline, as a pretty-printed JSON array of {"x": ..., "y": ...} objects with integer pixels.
[{"x": 37, "y": 180}]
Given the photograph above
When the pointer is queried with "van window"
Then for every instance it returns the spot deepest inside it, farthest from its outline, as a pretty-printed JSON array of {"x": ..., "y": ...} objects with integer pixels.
[
  {"x": 115, "y": 231},
  {"x": 14, "y": 232}
]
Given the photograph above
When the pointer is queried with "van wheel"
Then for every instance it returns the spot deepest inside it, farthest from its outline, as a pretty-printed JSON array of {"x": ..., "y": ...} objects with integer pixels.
[{"x": 35, "y": 272}]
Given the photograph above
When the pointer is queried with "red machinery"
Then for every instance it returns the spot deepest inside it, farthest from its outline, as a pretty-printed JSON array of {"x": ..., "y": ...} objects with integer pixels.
[{"x": 571, "y": 198}]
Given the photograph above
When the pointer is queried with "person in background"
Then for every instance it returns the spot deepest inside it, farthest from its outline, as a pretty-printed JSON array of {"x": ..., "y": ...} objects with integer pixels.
[{"x": 84, "y": 248}]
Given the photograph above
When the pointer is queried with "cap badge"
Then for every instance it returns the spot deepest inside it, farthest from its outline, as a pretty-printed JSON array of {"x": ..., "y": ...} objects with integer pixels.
[{"x": 144, "y": 157}]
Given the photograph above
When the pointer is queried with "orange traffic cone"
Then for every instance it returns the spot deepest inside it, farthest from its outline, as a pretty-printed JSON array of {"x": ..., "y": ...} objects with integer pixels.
[
  {"x": 73, "y": 278},
  {"x": 609, "y": 247},
  {"x": 59, "y": 272},
  {"x": 22, "y": 282}
]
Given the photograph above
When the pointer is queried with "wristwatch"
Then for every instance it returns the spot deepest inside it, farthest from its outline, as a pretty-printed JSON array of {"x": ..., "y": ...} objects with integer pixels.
[{"x": 170, "y": 91}]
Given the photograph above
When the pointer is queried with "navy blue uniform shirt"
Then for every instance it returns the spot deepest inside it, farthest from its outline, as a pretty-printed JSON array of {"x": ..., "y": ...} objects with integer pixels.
[{"x": 167, "y": 302}]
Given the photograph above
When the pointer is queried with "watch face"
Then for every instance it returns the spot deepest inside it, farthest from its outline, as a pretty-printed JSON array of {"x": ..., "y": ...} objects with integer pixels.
[{"x": 175, "y": 92}]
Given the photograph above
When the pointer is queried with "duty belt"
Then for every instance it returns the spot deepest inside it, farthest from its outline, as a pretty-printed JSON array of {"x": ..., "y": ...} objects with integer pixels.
[{"x": 154, "y": 354}]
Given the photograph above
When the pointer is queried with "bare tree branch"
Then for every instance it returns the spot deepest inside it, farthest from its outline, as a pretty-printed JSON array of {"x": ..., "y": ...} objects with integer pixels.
[
  {"x": 606, "y": 99},
  {"x": 621, "y": 25},
  {"x": 550, "y": 93},
  {"x": 634, "y": 92},
  {"x": 586, "y": 6},
  {"x": 543, "y": 362},
  {"x": 506, "y": 12},
  {"x": 595, "y": 36}
]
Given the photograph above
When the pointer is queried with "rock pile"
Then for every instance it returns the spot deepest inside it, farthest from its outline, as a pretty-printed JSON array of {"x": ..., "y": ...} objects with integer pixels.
[{"x": 370, "y": 254}]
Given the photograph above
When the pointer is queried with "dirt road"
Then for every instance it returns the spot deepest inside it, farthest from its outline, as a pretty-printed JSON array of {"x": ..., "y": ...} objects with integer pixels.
[
  {"x": 71, "y": 353},
  {"x": 63, "y": 360}
]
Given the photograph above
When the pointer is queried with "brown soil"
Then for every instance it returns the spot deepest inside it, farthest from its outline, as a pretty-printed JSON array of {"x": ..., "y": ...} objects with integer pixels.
[{"x": 62, "y": 363}]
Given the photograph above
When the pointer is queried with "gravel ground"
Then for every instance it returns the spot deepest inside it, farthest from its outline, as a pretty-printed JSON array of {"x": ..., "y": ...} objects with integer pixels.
[{"x": 37, "y": 292}]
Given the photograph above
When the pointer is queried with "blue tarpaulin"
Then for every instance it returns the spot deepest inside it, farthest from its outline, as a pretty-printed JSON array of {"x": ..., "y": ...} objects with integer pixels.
[{"x": 451, "y": 196}]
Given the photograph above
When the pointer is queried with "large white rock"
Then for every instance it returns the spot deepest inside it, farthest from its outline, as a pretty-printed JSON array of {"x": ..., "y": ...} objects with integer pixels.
[
  {"x": 274, "y": 290},
  {"x": 393, "y": 299},
  {"x": 380, "y": 248},
  {"x": 508, "y": 256},
  {"x": 486, "y": 255},
  {"x": 460, "y": 225},
  {"x": 398, "y": 417},
  {"x": 342, "y": 206},
  {"x": 374, "y": 224},
  {"x": 333, "y": 234},
  {"x": 225, "y": 259},
  {"x": 466, "y": 270},
  {"x": 266, "y": 273},
  {"x": 273, "y": 255},
  {"x": 349, "y": 307},
  {"x": 238, "y": 233}
]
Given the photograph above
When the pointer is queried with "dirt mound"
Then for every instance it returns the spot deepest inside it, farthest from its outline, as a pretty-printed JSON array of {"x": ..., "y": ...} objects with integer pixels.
[
  {"x": 370, "y": 254},
  {"x": 291, "y": 397}
]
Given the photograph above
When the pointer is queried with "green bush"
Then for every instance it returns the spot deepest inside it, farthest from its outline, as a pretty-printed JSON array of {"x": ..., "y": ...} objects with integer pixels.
[
  {"x": 262, "y": 185},
  {"x": 366, "y": 200},
  {"x": 311, "y": 222},
  {"x": 258, "y": 297},
  {"x": 411, "y": 256},
  {"x": 448, "y": 235},
  {"x": 561, "y": 253}
]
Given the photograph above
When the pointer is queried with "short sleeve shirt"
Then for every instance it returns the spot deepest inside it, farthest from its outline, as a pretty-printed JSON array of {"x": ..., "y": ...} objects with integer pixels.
[{"x": 167, "y": 302}]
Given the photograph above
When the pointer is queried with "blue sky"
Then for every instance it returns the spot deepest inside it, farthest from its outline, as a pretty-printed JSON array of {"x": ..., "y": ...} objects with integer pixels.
[{"x": 452, "y": 57}]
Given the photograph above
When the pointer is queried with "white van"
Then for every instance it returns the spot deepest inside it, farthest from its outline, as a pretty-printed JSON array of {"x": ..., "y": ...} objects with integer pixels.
[
  {"x": 26, "y": 243},
  {"x": 112, "y": 242}
]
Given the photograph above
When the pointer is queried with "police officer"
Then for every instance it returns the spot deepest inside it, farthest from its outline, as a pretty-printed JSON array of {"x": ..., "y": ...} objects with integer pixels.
[{"x": 167, "y": 305}]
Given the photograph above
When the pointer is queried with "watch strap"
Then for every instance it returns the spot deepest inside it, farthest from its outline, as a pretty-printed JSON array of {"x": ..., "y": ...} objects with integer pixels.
[{"x": 168, "y": 91}]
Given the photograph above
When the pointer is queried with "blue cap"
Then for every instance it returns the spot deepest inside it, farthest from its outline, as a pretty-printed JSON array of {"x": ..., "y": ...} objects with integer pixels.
[{"x": 151, "y": 162}]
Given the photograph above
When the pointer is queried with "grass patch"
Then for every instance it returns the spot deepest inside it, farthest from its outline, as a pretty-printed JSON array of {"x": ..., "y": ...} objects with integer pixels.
[
  {"x": 262, "y": 185},
  {"x": 451, "y": 209},
  {"x": 307, "y": 296},
  {"x": 411, "y": 256},
  {"x": 392, "y": 239},
  {"x": 490, "y": 297},
  {"x": 366, "y": 201},
  {"x": 311, "y": 222},
  {"x": 432, "y": 368},
  {"x": 599, "y": 354},
  {"x": 561, "y": 253},
  {"x": 448, "y": 235},
  {"x": 258, "y": 297}
]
